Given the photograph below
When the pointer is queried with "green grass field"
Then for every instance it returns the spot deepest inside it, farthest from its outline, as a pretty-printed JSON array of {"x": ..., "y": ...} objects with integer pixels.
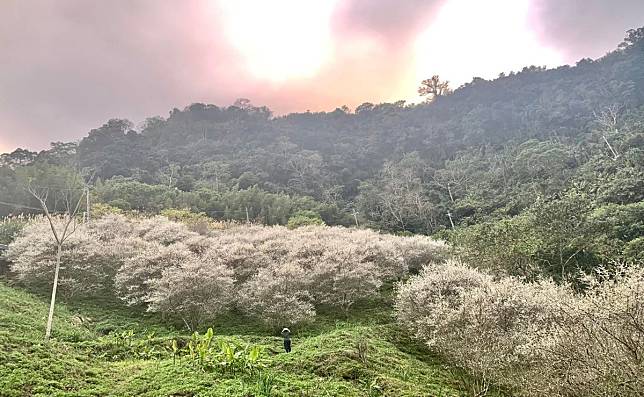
[{"x": 93, "y": 353}]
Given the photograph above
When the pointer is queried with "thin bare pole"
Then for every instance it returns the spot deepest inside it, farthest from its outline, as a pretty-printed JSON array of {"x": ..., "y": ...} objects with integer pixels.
[
  {"x": 449, "y": 215},
  {"x": 87, "y": 204},
  {"x": 355, "y": 217}
]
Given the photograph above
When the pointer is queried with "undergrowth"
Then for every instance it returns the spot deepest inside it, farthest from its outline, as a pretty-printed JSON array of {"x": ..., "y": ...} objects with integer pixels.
[{"x": 102, "y": 349}]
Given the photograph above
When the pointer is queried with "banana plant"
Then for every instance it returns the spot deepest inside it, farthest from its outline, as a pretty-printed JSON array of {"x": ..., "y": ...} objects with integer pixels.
[
  {"x": 230, "y": 355},
  {"x": 254, "y": 358}
]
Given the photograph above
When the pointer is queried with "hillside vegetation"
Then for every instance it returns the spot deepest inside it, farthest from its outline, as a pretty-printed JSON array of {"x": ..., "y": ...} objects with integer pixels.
[
  {"x": 496, "y": 154},
  {"x": 191, "y": 241},
  {"x": 94, "y": 354},
  {"x": 333, "y": 286}
]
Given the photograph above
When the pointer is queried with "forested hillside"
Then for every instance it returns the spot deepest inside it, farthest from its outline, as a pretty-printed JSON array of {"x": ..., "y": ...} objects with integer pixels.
[
  {"x": 495, "y": 246},
  {"x": 506, "y": 155}
]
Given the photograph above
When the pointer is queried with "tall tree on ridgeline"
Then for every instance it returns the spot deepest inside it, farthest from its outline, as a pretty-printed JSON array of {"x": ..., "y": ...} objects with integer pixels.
[{"x": 433, "y": 88}]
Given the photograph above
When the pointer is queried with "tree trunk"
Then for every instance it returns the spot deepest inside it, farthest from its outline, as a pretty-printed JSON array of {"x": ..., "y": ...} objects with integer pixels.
[{"x": 50, "y": 319}]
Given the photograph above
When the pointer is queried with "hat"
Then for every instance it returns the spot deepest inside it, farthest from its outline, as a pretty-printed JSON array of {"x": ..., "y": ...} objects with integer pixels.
[{"x": 286, "y": 330}]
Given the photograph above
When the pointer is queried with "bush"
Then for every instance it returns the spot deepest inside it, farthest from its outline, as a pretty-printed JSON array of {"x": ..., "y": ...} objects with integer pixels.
[
  {"x": 278, "y": 296},
  {"x": 599, "y": 348},
  {"x": 10, "y": 228},
  {"x": 140, "y": 272},
  {"x": 282, "y": 274},
  {"x": 100, "y": 210},
  {"x": 194, "y": 291},
  {"x": 160, "y": 229},
  {"x": 536, "y": 338},
  {"x": 196, "y": 222},
  {"x": 418, "y": 251},
  {"x": 429, "y": 303},
  {"x": 340, "y": 278},
  {"x": 242, "y": 257},
  {"x": 304, "y": 218},
  {"x": 88, "y": 264}
]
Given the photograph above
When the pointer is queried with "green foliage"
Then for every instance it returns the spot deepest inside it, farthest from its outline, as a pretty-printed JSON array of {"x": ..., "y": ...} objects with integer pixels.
[
  {"x": 616, "y": 226},
  {"x": 184, "y": 215},
  {"x": 635, "y": 249},
  {"x": 557, "y": 237},
  {"x": 265, "y": 384},
  {"x": 225, "y": 356},
  {"x": 259, "y": 205},
  {"x": 132, "y": 360},
  {"x": 100, "y": 210},
  {"x": 502, "y": 245},
  {"x": 304, "y": 218},
  {"x": 10, "y": 228}
]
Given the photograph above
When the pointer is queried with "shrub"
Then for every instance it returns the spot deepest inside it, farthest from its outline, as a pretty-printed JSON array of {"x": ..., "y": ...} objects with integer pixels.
[
  {"x": 281, "y": 274},
  {"x": 100, "y": 210},
  {"x": 111, "y": 227},
  {"x": 599, "y": 349},
  {"x": 242, "y": 257},
  {"x": 429, "y": 303},
  {"x": 194, "y": 291},
  {"x": 160, "y": 229},
  {"x": 11, "y": 227},
  {"x": 535, "y": 338},
  {"x": 340, "y": 278},
  {"x": 137, "y": 274},
  {"x": 418, "y": 251},
  {"x": 304, "y": 218},
  {"x": 196, "y": 222},
  {"x": 88, "y": 263},
  {"x": 379, "y": 250},
  {"x": 502, "y": 325},
  {"x": 277, "y": 296}
]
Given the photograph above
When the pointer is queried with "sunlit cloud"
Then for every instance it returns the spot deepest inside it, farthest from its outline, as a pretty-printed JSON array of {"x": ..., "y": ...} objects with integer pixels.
[
  {"x": 65, "y": 70},
  {"x": 480, "y": 39},
  {"x": 280, "y": 40}
]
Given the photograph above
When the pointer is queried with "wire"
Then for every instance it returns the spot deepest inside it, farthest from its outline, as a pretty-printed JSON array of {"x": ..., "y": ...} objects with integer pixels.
[
  {"x": 59, "y": 188},
  {"x": 52, "y": 212},
  {"x": 19, "y": 206}
]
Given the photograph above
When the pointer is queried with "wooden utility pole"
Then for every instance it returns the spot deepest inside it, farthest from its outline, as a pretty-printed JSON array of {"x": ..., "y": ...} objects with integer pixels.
[
  {"x": 247, "y": 217},
  {"x": 87, "y": 204},
  {"x": 355, "y": 217},
  {"x": 449, "y": 215}
]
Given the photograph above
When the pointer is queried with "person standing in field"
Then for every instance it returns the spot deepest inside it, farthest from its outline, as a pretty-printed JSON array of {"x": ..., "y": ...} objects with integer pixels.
[{"x": 286, "y": 334}]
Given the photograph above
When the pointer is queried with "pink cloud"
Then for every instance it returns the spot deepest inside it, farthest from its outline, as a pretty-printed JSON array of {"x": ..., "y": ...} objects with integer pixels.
[{"x": 70, "y": 65}]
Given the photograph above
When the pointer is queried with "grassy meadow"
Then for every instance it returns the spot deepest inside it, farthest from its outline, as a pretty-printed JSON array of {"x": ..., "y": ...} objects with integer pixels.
[{"x": 104, "y": 349}]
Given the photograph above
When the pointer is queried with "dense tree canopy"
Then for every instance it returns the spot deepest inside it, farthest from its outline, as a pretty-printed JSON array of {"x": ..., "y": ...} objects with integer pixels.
[{"x": 488, "y": 151}]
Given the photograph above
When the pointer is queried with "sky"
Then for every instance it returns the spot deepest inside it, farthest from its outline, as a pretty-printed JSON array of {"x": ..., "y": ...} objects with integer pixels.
[{"x": 67, "y": 66}]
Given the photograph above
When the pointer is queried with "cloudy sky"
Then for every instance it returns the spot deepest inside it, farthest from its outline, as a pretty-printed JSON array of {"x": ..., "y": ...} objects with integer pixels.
[{"x": 67, "y": 66}]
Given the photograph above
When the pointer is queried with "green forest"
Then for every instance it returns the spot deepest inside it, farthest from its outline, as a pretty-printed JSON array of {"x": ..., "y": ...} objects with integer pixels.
[{"x": 551, "y": 161}]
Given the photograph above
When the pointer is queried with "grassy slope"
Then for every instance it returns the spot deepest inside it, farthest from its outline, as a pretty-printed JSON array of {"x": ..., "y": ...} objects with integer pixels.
[{"x": 324, "y": 362}]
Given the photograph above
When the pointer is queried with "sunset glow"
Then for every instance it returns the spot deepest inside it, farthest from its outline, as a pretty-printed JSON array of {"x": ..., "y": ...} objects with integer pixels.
[
  {"x": 282, "y": 40},
  {"x": 66, "y": 71},
  {"x": 488, "y": 37}
]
